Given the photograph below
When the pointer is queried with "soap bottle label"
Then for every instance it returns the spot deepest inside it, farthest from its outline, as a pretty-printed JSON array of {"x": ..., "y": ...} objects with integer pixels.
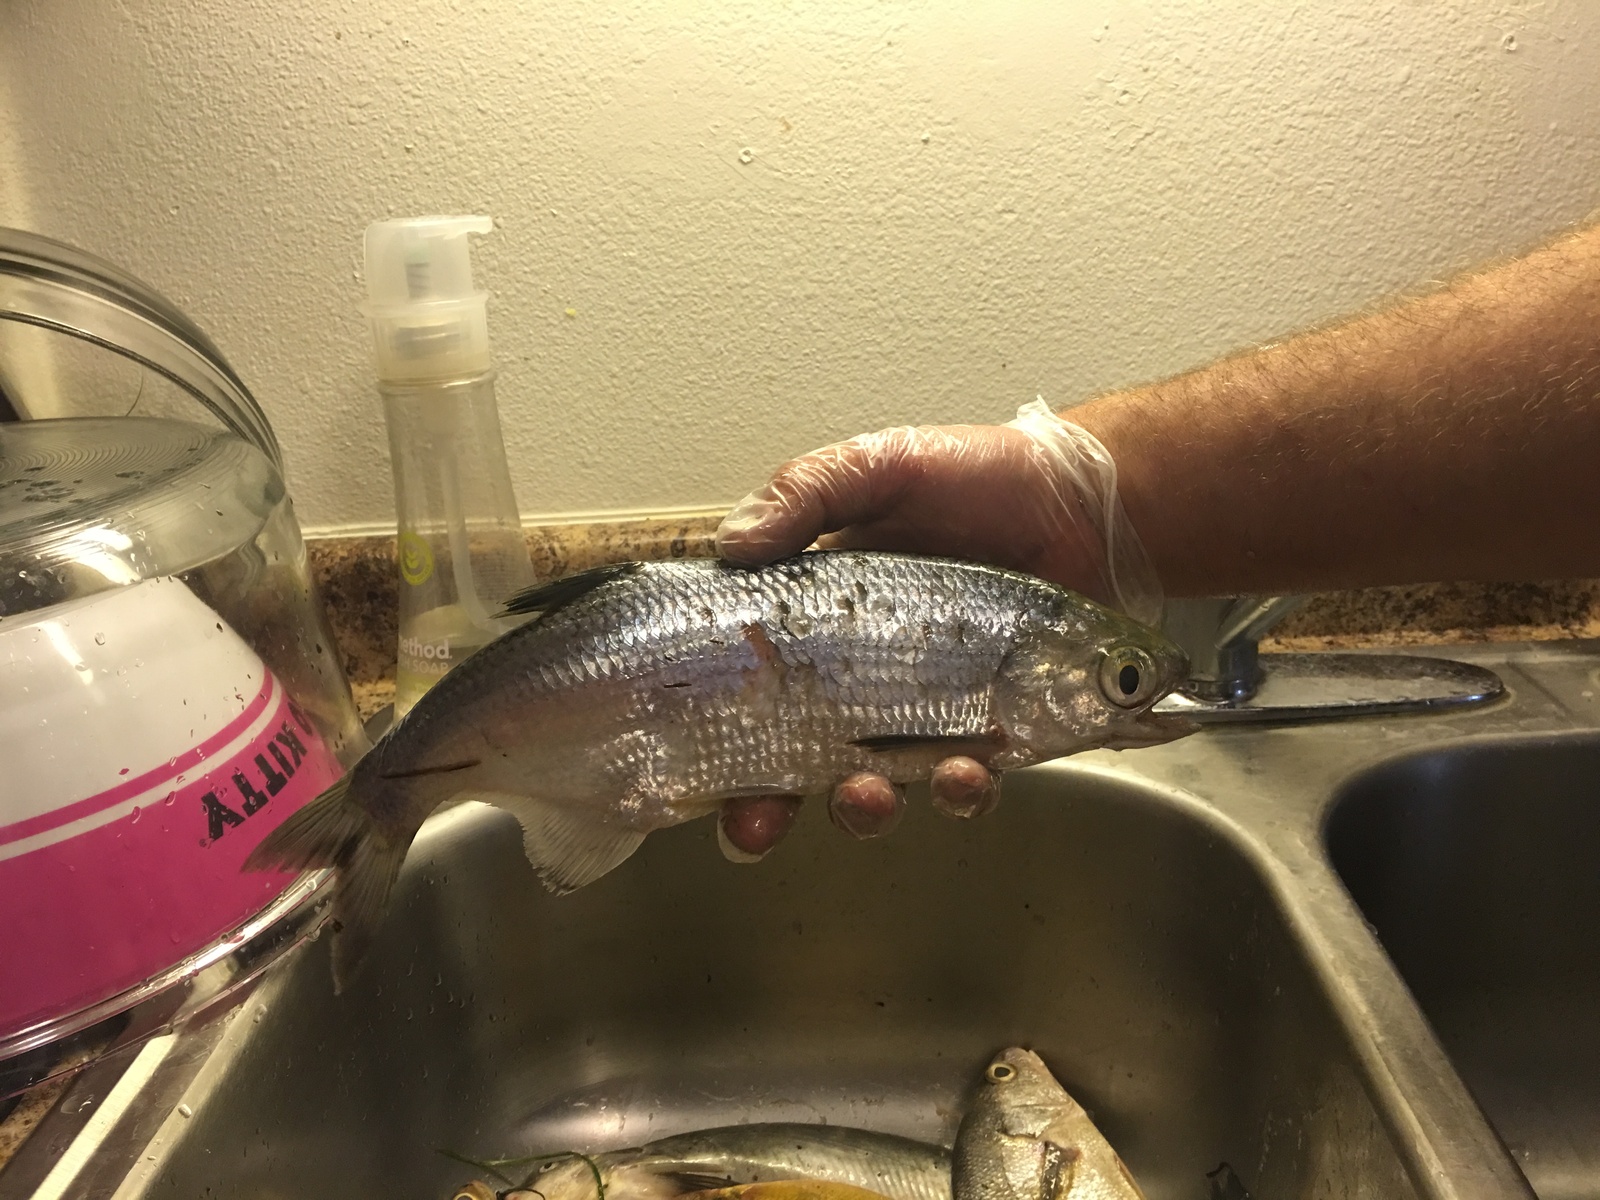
[{"x": 432, "y": 643}]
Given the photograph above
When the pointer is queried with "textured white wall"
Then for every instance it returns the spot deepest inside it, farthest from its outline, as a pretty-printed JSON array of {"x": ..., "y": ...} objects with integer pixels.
[{"x": 946, "y": 207}]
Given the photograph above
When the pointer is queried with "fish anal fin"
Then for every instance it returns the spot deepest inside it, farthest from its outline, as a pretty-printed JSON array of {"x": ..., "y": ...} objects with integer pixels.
[
  {"x": 567, "y": 848},
  {"x": 546, "y": 598}
]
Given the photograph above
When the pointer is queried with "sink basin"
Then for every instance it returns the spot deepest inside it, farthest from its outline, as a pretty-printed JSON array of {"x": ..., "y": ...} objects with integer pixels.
[
  {"x": 1350, "y": 959},
  {"x": 1123, "y": 930},
  {"x": 1479, "y": 869}
]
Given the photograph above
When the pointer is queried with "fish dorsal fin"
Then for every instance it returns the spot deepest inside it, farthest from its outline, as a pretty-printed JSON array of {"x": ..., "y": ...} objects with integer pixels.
[
  {"x": 568, "y": 849},
  {"x": 546, "y": 598}
]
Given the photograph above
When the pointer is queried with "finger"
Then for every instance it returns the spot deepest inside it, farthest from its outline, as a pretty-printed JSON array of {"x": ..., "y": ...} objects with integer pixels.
[
  {"x": 964, "y": 788},
  {"x": 818, "y": 493},
  {"x": 749, "y": 826},
  {"x": 866, "y": 805}
]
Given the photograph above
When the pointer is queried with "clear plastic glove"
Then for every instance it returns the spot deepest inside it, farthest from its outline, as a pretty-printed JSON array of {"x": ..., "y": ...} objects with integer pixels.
[{"x": 1038, "y": 494}]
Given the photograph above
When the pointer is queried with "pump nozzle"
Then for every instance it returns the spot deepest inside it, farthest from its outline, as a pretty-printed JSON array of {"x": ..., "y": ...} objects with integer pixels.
[{"x": 428, "y": 322}]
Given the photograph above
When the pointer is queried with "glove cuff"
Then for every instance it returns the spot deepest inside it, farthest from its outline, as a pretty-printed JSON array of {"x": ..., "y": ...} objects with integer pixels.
[{"x": 1084, "y": 464}]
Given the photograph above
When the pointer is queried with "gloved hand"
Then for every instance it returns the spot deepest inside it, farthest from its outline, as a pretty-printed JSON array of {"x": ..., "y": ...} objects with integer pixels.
[{"x": 1038, "y": 494}]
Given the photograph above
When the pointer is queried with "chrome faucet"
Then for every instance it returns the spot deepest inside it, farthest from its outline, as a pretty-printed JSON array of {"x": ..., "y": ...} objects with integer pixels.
[
  {"x": 1231, "y": 680},
  {"x": 1221, "y": 637}
]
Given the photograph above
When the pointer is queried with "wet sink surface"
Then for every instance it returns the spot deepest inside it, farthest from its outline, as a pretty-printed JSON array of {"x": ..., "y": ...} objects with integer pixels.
[
  {"x": 1479, "y": 868},
  {"x": 1125, "y": 935}
]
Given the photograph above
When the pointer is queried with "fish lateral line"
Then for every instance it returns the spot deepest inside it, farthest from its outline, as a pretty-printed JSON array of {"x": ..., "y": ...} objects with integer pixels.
[{"x": 441, "y": 769}]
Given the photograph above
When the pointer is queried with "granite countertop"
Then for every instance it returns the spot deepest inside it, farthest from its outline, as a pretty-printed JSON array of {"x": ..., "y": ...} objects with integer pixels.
[
  {"x": 359, "y": 584},
  {"x": 360, "y": 587}
]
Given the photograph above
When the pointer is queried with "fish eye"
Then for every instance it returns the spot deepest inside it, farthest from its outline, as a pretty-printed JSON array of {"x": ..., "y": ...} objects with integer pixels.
[
  {"x": 1001, "y": 1072},
  {"x": 1127, "y": 677}
]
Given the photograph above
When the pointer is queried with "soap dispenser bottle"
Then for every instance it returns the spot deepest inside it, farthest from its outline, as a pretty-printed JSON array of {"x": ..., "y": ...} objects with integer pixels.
[{"x": 461, "y": 550}]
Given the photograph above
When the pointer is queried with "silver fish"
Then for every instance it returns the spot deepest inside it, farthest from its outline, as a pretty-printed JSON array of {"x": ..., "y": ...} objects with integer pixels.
[
  {"x": 1024, "y": 1138},
  {"x": 896, "y": 1167},
  {"x": 646, "y": 694}
]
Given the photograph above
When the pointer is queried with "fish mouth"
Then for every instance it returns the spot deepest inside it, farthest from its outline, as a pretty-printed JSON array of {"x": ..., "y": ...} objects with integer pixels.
[{"x": 1152, "y": 728}]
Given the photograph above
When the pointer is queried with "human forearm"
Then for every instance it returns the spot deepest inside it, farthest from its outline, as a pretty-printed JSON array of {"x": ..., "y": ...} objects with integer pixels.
[
  {"x": 1450, "y": 438},
  {"x": 1453, "y": 437}
]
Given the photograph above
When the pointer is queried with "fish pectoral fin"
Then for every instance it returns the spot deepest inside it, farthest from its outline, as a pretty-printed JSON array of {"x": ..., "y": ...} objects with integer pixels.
[
  {"x": 546, "y": 598},
  {"x": 979, "y": 746},
  {"x": 1060, "y": 1164},
  {"x": 568, "y": 849},
  {"x": 1037, "y": 1168},
  {"x": 695, "y": 1181}
]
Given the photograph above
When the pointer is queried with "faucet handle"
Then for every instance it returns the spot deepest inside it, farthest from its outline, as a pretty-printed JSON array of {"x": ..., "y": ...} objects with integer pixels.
[{"x": 1221, "y": 636}]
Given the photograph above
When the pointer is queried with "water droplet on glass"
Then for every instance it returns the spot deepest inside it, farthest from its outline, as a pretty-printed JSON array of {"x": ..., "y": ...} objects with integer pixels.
[
  {"x": 133, "y": 817},
  {"x": 99, "y": 639}
]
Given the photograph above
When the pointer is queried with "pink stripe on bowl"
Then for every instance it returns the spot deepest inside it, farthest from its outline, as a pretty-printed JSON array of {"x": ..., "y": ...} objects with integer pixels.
[
  {"x": 92, "y": 915},
  {"x": 148, "y": 781}
]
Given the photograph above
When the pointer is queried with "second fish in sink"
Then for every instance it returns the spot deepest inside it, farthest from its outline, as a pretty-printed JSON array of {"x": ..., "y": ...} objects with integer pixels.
[{"x": 1023, "y": 1137}]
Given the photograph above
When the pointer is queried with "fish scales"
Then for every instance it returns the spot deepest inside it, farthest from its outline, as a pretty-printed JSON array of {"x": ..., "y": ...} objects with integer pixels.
[
  {"x": 648, "y": 694},
  {"x": 904, "y": 653},
  {"x": 893, "y": 1167}
]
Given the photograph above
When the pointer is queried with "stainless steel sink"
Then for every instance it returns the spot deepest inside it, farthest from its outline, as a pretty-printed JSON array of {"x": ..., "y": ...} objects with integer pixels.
[
  {"x": 1166, "y": 927},
  {"x": 1479, "y": 867},
  {"x": 1129, "y": 940}
]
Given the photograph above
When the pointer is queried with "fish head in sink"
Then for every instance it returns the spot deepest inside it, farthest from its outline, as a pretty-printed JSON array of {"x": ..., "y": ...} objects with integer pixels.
[{"x": 1087, "y": 677}]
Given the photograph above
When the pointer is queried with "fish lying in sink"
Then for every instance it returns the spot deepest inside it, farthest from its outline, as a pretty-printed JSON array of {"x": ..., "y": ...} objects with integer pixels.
[
  {"x": 1022, "y": 1137},
  {"x": 744, "y": 1156},
  {"x": 646, "y": 694}
]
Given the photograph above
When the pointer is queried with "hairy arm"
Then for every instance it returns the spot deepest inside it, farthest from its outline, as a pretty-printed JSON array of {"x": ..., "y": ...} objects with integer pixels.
[{"x": 1454, "y": 437}]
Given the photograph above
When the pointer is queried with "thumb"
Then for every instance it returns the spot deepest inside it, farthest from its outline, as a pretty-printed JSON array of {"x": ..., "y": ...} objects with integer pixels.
[{"x": 818, "y": 493}]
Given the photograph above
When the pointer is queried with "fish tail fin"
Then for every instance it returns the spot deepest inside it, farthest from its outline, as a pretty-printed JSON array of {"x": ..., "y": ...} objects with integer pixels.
[
  {"x": 336, "y": 831},
  {"x": 315, "y": 835}
]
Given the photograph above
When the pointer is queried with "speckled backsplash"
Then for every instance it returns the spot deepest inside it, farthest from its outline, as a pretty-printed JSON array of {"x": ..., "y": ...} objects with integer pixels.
[{"x": 359, "y": 583}]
